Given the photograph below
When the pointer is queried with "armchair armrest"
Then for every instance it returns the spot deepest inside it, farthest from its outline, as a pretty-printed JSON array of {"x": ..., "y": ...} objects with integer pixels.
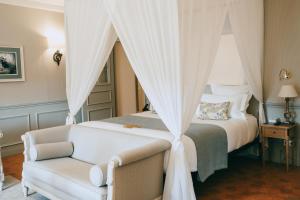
[
  {"x": 137, "y": 173},
  {"x": 144, "y": 152}
]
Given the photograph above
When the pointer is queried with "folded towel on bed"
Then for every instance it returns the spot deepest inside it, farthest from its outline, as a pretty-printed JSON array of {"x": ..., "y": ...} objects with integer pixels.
[{"x": 131, "y": 126}]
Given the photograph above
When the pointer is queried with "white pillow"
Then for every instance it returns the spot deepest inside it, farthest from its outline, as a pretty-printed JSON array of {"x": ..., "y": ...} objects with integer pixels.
[
  {"x": 235, "y": 103},
  {"x": 50, "y": 150},
  {"x": 98, "y": 175},
  {"x": 233, "y": 90}
]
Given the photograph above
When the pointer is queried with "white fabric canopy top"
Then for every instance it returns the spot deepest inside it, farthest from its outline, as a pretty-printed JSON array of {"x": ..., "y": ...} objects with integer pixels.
[{"x": 171, "y": 46}]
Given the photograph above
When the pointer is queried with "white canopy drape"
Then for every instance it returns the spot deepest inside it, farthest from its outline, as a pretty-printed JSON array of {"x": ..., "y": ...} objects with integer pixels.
[
  {"x": 171, "y": 46},
  {"x": 247, "y": 23},
  {"x": 171, "y": 51},
  {"x": 90, "y": 38}
]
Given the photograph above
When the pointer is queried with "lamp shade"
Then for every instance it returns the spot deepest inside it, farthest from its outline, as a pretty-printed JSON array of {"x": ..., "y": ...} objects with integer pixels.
[{"x": 288, "y": 91}]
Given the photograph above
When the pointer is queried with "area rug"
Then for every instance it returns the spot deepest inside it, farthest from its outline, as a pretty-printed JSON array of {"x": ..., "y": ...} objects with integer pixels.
[{"x": 15, "y": 193}]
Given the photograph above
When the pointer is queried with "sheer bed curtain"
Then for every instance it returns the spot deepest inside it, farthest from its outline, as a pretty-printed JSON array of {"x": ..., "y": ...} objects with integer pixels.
[
  {"x": 247, "y": 22},
  {"x": 90, "y": 39},
  {"x": 171, "y": 46}
]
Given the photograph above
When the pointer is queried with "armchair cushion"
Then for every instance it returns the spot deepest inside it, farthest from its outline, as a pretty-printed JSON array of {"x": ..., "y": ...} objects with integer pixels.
[
  {"x": 50, "y": 150},
  {"x": 64, "y": 174}
]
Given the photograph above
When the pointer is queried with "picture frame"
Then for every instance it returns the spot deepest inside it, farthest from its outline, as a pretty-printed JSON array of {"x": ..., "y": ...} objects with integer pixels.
[{"x": 11, "y": 64}]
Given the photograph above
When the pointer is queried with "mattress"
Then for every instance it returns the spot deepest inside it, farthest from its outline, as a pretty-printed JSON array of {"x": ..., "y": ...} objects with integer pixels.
[{"x": 239, "y": 132}]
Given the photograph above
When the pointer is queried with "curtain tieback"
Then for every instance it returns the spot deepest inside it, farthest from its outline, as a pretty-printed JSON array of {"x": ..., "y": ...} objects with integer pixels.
[
  {"x": 70, "y": 119},
  {"x": 177, "y": 142}
]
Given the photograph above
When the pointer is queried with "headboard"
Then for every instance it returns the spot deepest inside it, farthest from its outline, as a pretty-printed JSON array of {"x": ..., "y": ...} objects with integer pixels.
[{"x": 253, "y": 108}]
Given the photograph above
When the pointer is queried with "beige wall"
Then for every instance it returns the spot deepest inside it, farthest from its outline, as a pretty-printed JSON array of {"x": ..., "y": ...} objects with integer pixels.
[
  {"x": 27, "y": 27},
  {"x": 282, "y": 45},
  {"x": 124, "y": 82}
]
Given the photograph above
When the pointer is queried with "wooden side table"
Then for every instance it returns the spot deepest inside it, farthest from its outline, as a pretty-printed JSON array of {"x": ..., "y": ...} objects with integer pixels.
[{"x": 283, "y": 132}]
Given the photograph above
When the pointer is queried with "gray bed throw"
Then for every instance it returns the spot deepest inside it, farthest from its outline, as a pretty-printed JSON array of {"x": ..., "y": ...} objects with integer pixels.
[{"x": 210, "y": 141}]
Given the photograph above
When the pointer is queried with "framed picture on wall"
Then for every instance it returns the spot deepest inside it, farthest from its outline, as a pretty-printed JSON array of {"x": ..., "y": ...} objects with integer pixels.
[{"x": 11, "y": 64}]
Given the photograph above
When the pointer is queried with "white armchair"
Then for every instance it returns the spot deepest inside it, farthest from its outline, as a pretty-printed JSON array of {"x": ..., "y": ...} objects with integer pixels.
[{"x": 135, "y": 165}]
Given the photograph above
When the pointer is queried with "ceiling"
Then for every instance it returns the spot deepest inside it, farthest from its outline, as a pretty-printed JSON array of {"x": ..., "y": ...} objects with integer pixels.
[{"x": 52, "y": 5}]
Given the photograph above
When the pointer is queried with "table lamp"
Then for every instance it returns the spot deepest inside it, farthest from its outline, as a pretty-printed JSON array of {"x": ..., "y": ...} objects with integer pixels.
[{"x": 287, "y": 92}]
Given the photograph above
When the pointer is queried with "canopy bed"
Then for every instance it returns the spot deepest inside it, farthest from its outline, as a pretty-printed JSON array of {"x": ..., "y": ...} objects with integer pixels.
[
  {"x": 206, "y": 142},
  {"x": 171, "y": 46}
]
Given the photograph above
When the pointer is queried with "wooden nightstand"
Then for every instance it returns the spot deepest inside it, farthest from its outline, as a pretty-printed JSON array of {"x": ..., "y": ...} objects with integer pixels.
[{"x": 283, "y": 132}]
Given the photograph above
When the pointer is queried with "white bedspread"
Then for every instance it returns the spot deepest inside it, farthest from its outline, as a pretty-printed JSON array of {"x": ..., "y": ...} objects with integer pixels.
[{"x": 239, "y": 132}]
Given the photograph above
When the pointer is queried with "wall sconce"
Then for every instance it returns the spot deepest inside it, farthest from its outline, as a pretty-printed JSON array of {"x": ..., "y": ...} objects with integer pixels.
[
  {"x": 57, "y": 57},
  {"x": 284, "y": 74}
]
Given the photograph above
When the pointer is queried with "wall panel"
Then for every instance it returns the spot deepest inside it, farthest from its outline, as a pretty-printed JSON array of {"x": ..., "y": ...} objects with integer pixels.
[
  {"x": 17, "y": 120},
  {"x": 51, "y": 118},
  {"x": 16, "y": 126},
  {"x": 101, "y": 113}
]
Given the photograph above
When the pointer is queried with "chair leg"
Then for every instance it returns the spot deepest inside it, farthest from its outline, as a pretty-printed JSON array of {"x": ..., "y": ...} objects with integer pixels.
[
  {"x": 1, "y": 185},
  {"x": 25, "y": 190}
]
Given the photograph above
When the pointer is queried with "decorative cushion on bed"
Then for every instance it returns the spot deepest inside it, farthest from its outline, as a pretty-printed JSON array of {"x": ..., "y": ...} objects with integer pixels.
[
  {"x": 214, "y": 111},
  {"x": 51, "y": 150},
  {"x": 235, "y": 103},
  {"x": 98, "y": 175}
]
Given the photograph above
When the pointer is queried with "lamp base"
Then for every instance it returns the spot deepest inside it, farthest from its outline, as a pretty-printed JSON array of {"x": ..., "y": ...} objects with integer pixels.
[{"x": 287, "y": 114}]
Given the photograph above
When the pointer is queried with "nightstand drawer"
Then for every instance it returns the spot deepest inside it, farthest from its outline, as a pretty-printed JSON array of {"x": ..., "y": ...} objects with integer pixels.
[{"x": 274, "y": 133}]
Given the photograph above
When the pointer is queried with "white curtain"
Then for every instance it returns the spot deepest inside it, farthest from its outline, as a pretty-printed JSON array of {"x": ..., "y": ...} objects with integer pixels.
[
  {"x": 90, "y": 38},
  {"x": 171, "y": 46},
  {"x": 247, "y": 23}
]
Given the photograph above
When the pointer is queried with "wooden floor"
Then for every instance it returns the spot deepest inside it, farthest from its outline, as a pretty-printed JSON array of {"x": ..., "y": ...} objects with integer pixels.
[
  {"x": 12, "y": 165},
  {"x": 245, "y": 179}
]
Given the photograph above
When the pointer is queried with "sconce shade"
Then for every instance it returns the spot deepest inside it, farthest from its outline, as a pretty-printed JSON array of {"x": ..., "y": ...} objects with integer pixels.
[
  {"x": 288, "y": 91},
  {"x": 55, "y": 39}
]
